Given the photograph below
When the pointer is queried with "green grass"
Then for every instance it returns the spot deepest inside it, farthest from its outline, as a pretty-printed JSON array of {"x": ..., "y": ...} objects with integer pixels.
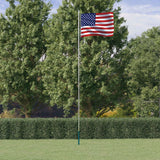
[{"x": 112, "y": 149}]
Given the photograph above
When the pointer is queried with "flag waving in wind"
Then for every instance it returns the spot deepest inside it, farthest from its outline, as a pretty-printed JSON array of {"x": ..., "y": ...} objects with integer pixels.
[{"x": 97, "y": 24}]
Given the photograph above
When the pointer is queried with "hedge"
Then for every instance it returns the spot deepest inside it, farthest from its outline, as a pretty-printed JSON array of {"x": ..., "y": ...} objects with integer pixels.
[{"x": 105, "y": 128}]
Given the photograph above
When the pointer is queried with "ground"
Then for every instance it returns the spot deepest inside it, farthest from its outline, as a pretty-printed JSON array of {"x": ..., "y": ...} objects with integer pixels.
[{"x": 96, "y": 149}]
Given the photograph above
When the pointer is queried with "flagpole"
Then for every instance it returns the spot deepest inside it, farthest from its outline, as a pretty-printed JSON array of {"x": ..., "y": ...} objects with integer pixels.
[{"x": 78, "y": 81}]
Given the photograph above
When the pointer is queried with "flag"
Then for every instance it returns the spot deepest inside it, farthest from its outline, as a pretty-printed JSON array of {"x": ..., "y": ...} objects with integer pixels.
[{"x": 97, "y": 24}]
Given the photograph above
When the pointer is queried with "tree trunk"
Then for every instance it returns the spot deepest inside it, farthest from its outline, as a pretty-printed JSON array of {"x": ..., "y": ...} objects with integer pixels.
[
  {"x": 89, "y": 108},
  {"x": 26, "y": 115}
]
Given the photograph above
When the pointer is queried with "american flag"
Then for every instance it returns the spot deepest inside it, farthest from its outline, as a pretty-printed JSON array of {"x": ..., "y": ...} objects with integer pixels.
[{"x": 97, "y": 24}]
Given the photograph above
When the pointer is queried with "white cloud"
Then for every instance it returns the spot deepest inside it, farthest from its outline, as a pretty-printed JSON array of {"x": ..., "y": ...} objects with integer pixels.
[
  {"x": 140, "y": 18},
  {"x": 138, "y": 23},
  {"x": 147, "y": 9}
]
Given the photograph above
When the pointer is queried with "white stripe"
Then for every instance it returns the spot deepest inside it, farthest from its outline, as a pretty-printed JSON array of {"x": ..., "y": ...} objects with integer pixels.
[
  {"x": 83, "y": 34},
  {"x": 104, "y": 22},
  {"x": 105, "y": 27},
  {"x": 102, "y": 15},
  {"x": 103, "y": 19}
]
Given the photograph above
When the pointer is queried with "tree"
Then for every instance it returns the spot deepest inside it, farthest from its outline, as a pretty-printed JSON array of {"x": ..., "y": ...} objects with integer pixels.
[
  {"x": 22, "y": 44},
  {"x": 102, "y": 78},
  {"x": 144, "y": 72}
]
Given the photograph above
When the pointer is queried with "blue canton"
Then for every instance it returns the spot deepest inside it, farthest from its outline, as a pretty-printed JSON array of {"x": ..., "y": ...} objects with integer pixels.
[{"x": 88, "y": 19}]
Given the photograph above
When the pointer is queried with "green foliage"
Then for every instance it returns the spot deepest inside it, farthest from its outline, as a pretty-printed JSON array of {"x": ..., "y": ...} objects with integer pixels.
[
  {"x": 58, "y": 128},
  {"x": 22, "y": 44},
  {"x": 9, "y": 114},
  {"x": 102, "y": 80},
  {"x": 4, "y": 129},
  {"x": 29, "y": 129},
  {"x": 111, "y": 75},
  {"x": 93, "y": 128},
  {"x": 15, "y": 128},
  {"x": 144, "y": 72}
]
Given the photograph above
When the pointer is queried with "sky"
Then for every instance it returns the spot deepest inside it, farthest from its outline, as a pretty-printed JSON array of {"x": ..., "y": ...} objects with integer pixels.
[{"x": 140, "y": 15}]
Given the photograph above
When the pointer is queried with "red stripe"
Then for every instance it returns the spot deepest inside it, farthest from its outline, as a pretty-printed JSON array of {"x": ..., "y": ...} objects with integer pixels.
[
  {"x": 107, "y": 32},
  {"x": 104, "y": 20},
  {"x": 97, "y": 28},
  {"x": 97, "y": 35},
  {"x": 104, "y": 13}
]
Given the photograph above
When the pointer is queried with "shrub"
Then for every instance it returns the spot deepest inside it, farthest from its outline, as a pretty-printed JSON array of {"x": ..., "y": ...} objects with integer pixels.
[{"x": 97, "y": 128}]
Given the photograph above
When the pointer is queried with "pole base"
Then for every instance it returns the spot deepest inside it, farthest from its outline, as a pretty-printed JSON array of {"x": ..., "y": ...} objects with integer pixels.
[{"x": 78, "y": 137}]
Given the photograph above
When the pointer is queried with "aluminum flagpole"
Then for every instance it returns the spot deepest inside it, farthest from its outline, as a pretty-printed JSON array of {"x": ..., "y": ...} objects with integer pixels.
[{"x": 78, "y": 81}]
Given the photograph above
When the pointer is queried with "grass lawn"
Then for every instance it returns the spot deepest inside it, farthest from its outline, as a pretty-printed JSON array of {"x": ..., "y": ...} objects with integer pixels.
[{"x": 112, "y": 149}]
